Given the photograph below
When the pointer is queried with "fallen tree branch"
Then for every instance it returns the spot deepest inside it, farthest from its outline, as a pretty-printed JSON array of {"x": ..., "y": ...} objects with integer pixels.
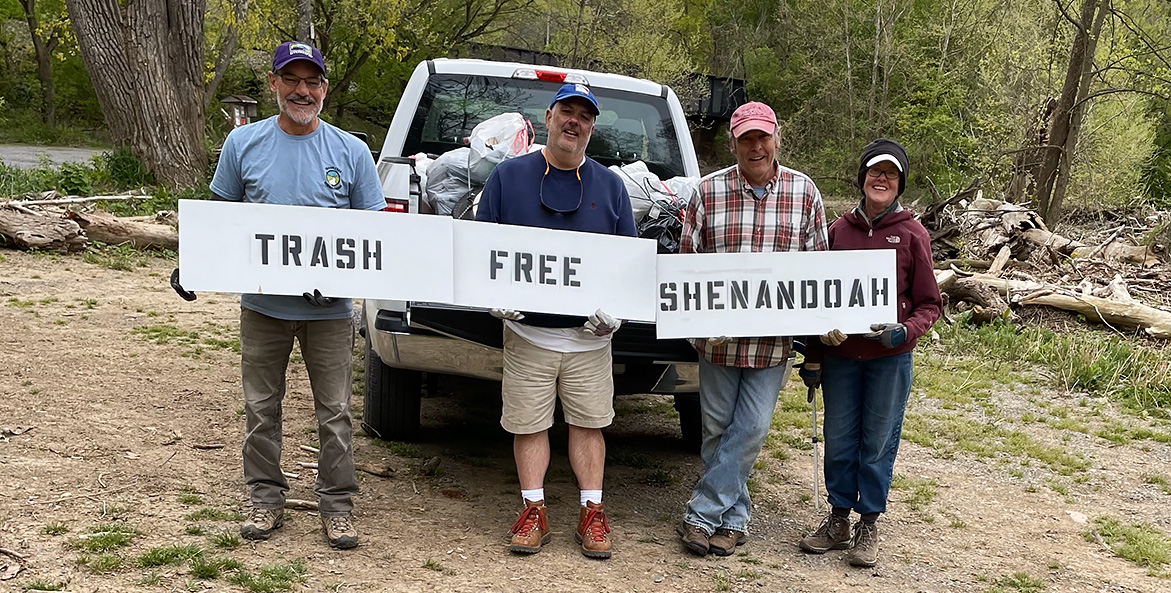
[
  {"x": 1155, "y": 322},
  {"x": 16, "y": 555},
  {"x": 75, "y": 200},
  {"x": 301, "y": 505},
  {"x": 112, "y": 230},
  {"x": 25, "y": 231}
]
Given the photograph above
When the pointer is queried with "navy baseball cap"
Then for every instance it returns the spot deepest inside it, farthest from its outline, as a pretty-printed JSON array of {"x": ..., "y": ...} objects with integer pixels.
[
  {"x": 291, "y": 51},
  {"x": 575, "y": 90}
]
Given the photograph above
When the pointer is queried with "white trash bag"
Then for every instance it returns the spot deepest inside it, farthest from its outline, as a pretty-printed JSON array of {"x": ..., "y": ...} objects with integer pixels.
[
  {"x": 447, "y": 180},
  {"x": 644, "y": 187},
  {"x": 495, "y": 140}
]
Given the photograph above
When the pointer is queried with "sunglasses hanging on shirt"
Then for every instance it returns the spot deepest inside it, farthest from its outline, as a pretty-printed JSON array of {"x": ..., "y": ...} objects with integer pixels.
[{"x": 580, "y": 193}]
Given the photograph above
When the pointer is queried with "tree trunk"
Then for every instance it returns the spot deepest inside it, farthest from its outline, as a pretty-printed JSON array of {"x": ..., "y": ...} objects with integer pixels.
[
  {"x": 1059, "y": 133},
  {"x": 145, "y": 60},
  {"x": 305, "y": 21},
  {"x": 874, "y": 68},
  {"x": 849, "y": 78},
  {"x": 1077, "y": 113},
  {"x": 43, "y": 49}
]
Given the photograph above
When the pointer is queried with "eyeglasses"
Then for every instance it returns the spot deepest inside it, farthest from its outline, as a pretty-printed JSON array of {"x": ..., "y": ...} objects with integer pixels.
[
  {"x": 312, "y": 83},
  {"x": 541, "y": 191},
  {"x": 876, "y": 173}
]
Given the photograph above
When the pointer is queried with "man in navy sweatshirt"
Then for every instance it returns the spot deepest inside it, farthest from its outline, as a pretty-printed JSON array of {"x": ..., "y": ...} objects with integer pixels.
[{"x": 546, "y": 356}]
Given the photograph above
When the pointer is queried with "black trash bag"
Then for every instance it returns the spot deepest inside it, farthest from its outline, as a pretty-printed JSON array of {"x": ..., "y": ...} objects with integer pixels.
[{"x": 664, "y": 224}]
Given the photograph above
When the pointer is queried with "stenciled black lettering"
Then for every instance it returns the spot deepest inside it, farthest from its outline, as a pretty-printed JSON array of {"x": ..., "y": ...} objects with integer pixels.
[
  {"x": 264, "y": 239},
  {"x": 546, "y": 273},
  {"x": 875, "y": 291},
  {"x": 808, "y": 294},
  {"x": 292, "y": 249},
  {"x": 345, "y": 248},
  {"x": 833, "y": 293},
  {"x": 785, "y": 292},
  {"x": 320, "y": 254},
  {"x": 713, "y": 296},
  {"x": 764, "y": 299},
  {"x": 368, "y": 254},
  {"x": 524, "y": 263},
  {"x": 568, "y": 271},
  {"x": 496, "y": 263},
  {"x": 668, "y": 299},
  {"x": 857, "y": 295},
  {"x": 739, "y": 294},
  {"x": 691, "y": 296}
]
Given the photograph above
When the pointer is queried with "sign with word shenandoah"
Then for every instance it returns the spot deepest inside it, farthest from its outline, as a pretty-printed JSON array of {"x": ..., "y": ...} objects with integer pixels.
[{"x": 774, "y": 294}]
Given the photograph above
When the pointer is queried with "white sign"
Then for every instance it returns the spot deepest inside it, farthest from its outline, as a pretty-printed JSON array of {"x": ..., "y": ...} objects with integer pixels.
[
  {"x": 290, "y": 250},
  {"x": 775, "y": 294},
  {"x": 548, "y": 271}
]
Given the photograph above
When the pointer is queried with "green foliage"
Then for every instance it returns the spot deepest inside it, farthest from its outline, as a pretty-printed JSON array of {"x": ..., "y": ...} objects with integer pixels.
[
  {"x": 55, "y": 528},
  {"x": 1019, "y": 582},
  {"x": 173, "y": 555},
  {"x": 212, "y": 568},
  {"x": 116, "y": 257},
  {"x": 42, "y": 585},
  {"x": 101, "y": 563},
  {"x": 271, "y": 578},
  {"x": 105, "y": 538},
  {"x": 1140, "y": 544}
]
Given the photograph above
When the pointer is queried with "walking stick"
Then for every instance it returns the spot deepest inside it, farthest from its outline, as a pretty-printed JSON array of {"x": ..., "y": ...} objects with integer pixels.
[{"x": 816, "y": 458}]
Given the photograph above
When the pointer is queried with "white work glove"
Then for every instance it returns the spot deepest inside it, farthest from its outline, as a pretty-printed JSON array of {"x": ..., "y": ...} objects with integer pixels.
[
  {"x": 508, "y": 314},
  {"x": 718, "y": 341},
  {"x": 601, "y": 324},
  {"x": 833, "y": 338}
]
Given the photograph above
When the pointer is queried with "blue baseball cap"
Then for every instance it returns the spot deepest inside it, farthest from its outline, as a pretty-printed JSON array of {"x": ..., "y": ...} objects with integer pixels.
[
  {"x": 291, "y": 51},
  {"x": 575, "y": 90}
]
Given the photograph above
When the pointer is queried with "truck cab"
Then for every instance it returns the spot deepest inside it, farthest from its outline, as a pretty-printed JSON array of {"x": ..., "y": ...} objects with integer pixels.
[{"x": 410, "y": 342}]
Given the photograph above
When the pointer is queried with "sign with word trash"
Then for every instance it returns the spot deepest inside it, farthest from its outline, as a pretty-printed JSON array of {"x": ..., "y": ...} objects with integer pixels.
[
  {"x": 775, "y": 294},
  {"x": 289, "y": 250}
]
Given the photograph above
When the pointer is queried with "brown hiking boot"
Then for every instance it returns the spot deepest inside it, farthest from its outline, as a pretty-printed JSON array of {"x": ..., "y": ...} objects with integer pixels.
[
  {"x": 695, "y": 538},
  {"x": 340, "y": 532},
  {"x": 834, "y": 534},
  {"x": 593, "y": 533},
  {"x": 865, "y": 550},
  {"x": 724, "y": 541},
  {"x": 261, "y": 523},
  {"x": 531, "y": 530}
]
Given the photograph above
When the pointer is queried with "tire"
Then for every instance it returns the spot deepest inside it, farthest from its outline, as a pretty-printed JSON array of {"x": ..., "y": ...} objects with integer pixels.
[
  {"x": 690, "y": 422},
  {"x": 392, "y": 402}
]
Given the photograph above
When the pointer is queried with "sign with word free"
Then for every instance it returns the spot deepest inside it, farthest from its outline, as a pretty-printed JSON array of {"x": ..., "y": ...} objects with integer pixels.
[
  {"x": 548, "y": 271},
  {"x": 775, "y": 294},
  {"x": 290, "y": 250}
]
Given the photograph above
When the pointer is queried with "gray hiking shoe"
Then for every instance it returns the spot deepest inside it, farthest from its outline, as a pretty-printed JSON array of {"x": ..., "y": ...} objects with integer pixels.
[
  {"x": 834, "y": 534},
  {"x": 262, "y": 522},
  {"x": 865, "y": 550},
  {"x": 340, "y": 532}
]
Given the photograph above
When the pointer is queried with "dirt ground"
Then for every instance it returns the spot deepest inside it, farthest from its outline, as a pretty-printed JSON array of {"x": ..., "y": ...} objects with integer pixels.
[{"x": 111, "y": 392}]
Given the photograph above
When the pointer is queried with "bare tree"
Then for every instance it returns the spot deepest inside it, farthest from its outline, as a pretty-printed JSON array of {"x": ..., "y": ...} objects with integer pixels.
[
  {"x": 145, "y": 61},
  {"x": 45, "y": 39}
]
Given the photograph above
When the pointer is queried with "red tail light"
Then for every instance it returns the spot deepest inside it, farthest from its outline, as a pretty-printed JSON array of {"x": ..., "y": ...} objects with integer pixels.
[
  {"x": 393, "y": 205},
  {"x": 548, "y": 76}
]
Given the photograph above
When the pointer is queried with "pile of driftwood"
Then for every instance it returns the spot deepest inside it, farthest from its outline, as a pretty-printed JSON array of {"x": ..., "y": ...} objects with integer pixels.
[
  {"x": 67, "y": 224},
  {"x": 993, "y": 256}
]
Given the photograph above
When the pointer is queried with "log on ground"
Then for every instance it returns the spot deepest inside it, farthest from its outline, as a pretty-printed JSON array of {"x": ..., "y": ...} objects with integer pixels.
[
  {"x": 1132, "y": 315},
  {"x": 109, "y": 229},
  {"x": 27, "y": 231}
]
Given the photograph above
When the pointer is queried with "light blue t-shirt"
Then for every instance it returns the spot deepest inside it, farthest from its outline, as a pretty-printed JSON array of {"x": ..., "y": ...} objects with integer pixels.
[{"x": 329, "y": 168}]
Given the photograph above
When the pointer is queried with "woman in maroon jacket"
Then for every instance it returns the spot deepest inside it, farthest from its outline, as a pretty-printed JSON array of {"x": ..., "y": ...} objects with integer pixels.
[{"x": 866, "y": 378}]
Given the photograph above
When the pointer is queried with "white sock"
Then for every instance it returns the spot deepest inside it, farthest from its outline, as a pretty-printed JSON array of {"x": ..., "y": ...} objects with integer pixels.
[
  {"x": 533, "y": 495},
  {"x": 594, "y": 496}
]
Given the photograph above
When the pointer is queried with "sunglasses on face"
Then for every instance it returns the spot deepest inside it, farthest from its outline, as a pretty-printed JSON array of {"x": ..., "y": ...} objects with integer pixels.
[
  {"x": 876, "y": 173},
  {"x": 312, "y": 83}
]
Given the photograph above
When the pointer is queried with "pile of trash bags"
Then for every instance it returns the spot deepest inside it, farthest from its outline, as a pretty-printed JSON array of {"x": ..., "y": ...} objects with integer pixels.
[{"x": 451, "y": 184}]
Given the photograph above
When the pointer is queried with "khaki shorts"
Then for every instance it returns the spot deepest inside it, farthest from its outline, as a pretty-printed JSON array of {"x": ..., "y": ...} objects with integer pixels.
[{"x": 534, "y": 376}]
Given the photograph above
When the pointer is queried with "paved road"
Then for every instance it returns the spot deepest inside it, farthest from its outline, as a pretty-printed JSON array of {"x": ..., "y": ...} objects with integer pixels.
[{"x": 28, "y": 157}]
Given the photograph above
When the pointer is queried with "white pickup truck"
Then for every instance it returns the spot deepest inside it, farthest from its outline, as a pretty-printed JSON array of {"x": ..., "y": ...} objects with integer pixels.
[{"x": 409, "y": 343}]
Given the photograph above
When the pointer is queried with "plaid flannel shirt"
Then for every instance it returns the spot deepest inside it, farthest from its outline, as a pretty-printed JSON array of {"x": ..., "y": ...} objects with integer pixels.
[{"x": 725, "y": 216}]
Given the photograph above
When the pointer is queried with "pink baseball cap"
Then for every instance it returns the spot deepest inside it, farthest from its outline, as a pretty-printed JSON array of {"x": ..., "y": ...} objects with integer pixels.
[{"x": 753, "y": 116}]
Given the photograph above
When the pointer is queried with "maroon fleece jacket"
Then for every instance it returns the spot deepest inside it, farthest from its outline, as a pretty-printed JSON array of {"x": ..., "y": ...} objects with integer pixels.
[{"x": 918, "y": 302}]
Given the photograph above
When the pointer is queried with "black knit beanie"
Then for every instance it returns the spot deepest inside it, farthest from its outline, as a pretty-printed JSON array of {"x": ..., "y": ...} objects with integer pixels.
[{"x": 879, "y": 148}]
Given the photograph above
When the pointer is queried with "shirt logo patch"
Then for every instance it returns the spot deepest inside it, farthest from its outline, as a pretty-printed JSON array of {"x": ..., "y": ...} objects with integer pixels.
[
  {"x": 894, "y": 239},
  {"x": 333, "y": 177}
]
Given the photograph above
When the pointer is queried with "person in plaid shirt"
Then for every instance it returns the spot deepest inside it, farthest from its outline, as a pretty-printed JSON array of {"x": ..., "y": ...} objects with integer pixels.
[{"x": 755, "y": 206}]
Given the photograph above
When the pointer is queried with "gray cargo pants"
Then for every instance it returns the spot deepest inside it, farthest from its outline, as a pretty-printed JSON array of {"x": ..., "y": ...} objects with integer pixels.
[{"x": 327, "y": 347}]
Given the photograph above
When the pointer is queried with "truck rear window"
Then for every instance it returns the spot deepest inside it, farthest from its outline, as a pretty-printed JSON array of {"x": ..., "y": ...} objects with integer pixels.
[{"x": 631, "y": 127}]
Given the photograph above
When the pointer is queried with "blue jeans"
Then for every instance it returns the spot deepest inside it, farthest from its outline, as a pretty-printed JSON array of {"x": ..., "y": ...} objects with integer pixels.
[
  {"x": 736, "y": 405},
  {"x": 864, "y": 405}
]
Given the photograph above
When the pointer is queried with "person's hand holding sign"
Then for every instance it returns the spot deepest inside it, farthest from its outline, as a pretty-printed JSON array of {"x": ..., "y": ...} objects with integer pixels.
[
  {"x": 316, "y": 299},
  {"x": 508, "y": 314},
  {"x": 601, "y": 324},
  {"x": 890, "y": 335},
  {"x": 833, "y": 338}
]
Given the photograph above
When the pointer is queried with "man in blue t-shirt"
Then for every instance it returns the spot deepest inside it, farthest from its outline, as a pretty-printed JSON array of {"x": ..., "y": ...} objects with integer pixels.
[
  {"x": 296, "y": 159},
  {"x": 550, "y": 355}
]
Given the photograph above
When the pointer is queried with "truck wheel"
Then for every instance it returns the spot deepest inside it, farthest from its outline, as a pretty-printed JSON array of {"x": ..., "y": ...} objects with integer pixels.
[
  {"x": 690, "y": 423},
  {"x": 392, "y": 403}
]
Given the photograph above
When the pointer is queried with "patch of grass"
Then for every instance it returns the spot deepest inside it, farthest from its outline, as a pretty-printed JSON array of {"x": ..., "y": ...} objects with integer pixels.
[
  {"x": 189, "y": 498},
  {"x": 226, "y": 540},
  {"x": 89, "y": 303},
  {"x": 15, "y": 302},
  {"x": 115, "y": 511},
  {"x": 149, "y": 579},
  {"x": 172, "y": 555},
  {"x": 212, "y": 568},
  {"x": 214, "y": 514},
  {"x": 399, "y": 449},
  {"x": 752, "y": 561},
  {"x": 105, "y": 538},
  {"x": 922, "y": 492},
  {"x": 722, "y": 581},
  {"x": 957, "y": 524},
  {"x": 659, "y": 478},
  {"x": 432, "y": 564},
  {"x": 748, "y": 575},
  {"x": 163, "y": 333},
  {"x": 42, "y": 585},
  {"x": 55, "y": 528},
  {"x": 949, "y": 434},
  {"x": 1140, "y": 544},
  {"x": 271, "y": 578},
  {"x": 195, "y": 530},
  {"x": 102, "y": 563},
  {"x": 1018, "y": 582},
  {"x": 116, "y": 257},
  {"x": 1158, "y": 480}
]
